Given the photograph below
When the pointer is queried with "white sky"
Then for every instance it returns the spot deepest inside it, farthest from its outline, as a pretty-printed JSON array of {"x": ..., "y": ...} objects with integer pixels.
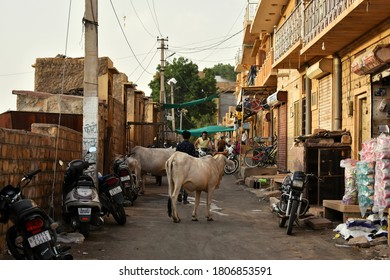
[{"x": 37, "y": 29}]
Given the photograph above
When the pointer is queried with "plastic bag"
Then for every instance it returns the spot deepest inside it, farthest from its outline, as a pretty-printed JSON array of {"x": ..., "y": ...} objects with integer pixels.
[
  {"x": 365, "y": 180},
  {"x": 382, "y": 147},
  {"x": 351, "y": 192}
]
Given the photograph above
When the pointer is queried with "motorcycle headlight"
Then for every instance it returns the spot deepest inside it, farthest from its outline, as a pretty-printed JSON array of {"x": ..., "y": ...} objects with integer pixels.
[{"x": 297, "y": 184}]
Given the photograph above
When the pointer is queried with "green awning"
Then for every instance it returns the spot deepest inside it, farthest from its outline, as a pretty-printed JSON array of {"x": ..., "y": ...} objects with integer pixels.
[
  {"x": 190, "y": 103},
  {"x": 210, "y": 130}
]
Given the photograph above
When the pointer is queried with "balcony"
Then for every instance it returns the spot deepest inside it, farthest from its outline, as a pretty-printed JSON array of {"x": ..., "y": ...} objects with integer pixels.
[
  {"x": 324, "y": 27},
  {"x": 267, "y": 15},
  {"x": 244, "y": 58},
  {"x": 288, "y": 41},
  {"x": 249, "y": 38},
  {"x": 267, "y": 76},
  {"x": 330, "y": 25}
]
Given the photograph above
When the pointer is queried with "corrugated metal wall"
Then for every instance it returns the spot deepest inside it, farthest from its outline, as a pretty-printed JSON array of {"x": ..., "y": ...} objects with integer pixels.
[{"x": 282, "y": 137}]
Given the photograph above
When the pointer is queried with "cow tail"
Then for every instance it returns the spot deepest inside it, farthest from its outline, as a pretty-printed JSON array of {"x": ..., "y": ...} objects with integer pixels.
[
  {"x": 169, "y": 206},
  {"x": 168, "y": 169}
]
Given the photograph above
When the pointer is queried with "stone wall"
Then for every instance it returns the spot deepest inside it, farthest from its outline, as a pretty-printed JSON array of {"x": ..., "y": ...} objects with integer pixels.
[
  {"x": 64, "y": 75},
  {"x": 31, "y": 101},
  {"x": 22, "y": 151}
]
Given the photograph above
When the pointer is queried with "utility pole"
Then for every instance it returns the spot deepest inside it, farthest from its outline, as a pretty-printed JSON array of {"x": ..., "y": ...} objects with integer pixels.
[
  {"x": 173, "y": 109},
  {"x": 162, "y": 89},
  {"x": 173, "y": 81},
  {"x": 90, "y": 100}
]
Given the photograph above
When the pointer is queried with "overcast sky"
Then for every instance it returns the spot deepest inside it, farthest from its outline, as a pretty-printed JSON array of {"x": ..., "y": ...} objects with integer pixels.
[{"x": 200, "y": 30}]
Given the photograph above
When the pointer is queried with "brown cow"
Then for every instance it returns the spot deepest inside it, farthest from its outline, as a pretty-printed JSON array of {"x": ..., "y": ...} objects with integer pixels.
[{"x": 193, "y": 174}]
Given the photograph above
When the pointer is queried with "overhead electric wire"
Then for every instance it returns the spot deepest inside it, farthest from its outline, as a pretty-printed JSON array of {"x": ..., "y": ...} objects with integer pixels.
[
  {"x": 127, "y": 41},
  {"x": 147, "y": 66},
  {"x": 197, "y": 50},
  {"x": 154, "y": 17},
  {"x": 231, "y": 28},
  {"x": 145, "y": 58},
  {"x": 51, "y": 202},
  {"x": 16, "y": 74},
  {"x": 136, "y": 14}
]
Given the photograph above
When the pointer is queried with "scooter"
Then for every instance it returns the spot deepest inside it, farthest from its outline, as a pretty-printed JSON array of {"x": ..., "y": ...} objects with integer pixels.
[
  {"x": 33, "y": 234},
  {"x": 128, "y": 180},
  {"x": 111, "y": 198},
  {"x": 80, "y": 197},
  {"x": 292, "y": 205}
]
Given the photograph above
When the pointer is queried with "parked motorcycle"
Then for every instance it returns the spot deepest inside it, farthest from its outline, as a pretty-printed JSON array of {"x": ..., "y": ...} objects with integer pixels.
[
  {"x": 128, "y": 180},
  {"x": 80, "y": 198},
  {"x": 233, "y": 154},
  {"x": 292, "y": 205},
  {"x": 33, "y": 234},
  {"x": 111, "y": 198},
  {"x": 204, "y": 152}
]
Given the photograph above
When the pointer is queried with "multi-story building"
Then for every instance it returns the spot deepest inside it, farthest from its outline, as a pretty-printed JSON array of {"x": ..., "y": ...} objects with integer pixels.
[{"x": 329, "y": 62}]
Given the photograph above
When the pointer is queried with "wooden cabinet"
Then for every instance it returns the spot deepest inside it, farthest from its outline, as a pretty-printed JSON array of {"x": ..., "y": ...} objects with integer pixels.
[{"x": 324, "y": 162}]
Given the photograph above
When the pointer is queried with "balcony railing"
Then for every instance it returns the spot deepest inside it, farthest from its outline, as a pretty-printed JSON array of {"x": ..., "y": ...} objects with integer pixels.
[
  {"x": 239, "y": 56},
  {"x": 250, "y": 12},
  {"x": 319, "y": 14},
  {"x": 266, "y": 70},
  {"x": 289, "y": 33}
]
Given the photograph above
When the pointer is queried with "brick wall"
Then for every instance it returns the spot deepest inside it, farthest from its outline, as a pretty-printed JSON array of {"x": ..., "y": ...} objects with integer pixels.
[{"x": 22, "y": 151}]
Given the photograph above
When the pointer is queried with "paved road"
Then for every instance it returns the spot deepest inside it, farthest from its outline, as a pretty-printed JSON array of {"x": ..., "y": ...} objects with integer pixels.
[{"x": 243, "y": 228}]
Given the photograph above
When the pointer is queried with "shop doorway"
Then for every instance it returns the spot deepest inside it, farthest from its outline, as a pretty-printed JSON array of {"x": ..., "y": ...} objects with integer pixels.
[{"x": 362, "y": 122}]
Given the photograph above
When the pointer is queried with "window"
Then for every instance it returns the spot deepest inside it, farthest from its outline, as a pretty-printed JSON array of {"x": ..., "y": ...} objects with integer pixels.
[
  {"x": 314, "y": 100},
  {"x": 299, "y": 115}
]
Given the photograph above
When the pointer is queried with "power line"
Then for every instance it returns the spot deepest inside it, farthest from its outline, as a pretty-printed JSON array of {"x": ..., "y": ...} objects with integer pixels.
[
  {"x": 127, "y": 41},
  {"x": 153, "y": 17},
  {"x": 145, "y": 58},
  {"x": 16, "y": 74},
  {"x": 239, "y": 16},
  {"x": 196, "y": 50},
  {"x": 147, "y": 66},
  {"x": 135, "y": 11}
]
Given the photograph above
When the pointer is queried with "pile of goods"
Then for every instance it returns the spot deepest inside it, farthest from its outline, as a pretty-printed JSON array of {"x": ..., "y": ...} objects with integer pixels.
[
  {"x": 367, "y": 182},
  {"x": 371, "y": 228}
]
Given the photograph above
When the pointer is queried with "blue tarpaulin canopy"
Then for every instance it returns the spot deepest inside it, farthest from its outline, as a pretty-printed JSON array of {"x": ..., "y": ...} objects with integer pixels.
[{"x": 210, "y": 130}]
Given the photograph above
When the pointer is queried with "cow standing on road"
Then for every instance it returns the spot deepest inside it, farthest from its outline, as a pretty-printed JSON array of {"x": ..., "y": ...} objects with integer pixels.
[{"x": 193, "y": 174}]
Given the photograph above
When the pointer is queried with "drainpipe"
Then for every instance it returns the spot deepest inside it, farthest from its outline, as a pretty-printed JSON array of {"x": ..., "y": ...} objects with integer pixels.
[
  {"x": 308, "y": 104},
  {"x": 337, "y": 76}
]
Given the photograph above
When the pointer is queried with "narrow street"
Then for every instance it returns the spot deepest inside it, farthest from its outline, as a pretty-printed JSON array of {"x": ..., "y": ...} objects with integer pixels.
[{"x": 243, "y": 228}]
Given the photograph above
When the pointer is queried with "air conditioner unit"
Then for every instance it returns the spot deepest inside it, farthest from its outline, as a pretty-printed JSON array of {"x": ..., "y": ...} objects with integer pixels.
[{"x": 320, "y": 69}]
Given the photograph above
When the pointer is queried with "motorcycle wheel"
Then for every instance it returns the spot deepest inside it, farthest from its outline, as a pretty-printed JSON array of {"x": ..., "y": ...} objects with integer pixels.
[
  {"x": 282, "y": 222},
  {"x": 84, "y": 229},
  {"x": 293, "y": 216},
  {"x": 119, "y": 214},
  {"x": 16, "y": 251},
  {"x": 229, "y": 171}
]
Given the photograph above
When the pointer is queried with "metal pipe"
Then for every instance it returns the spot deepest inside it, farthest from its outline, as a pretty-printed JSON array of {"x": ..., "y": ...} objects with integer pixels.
[
  {"x": 308, "y": 104},
  {"x": 337, "y": 75}
]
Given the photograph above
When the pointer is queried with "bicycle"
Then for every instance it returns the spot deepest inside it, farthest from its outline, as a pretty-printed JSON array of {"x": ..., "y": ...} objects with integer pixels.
[
  {"x": 257, "y": 142},
  {"x": 261, "y": 156}
]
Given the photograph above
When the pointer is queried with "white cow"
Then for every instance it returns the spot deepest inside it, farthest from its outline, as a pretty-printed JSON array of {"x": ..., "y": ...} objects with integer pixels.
[
  {"x": 150, "y": 160},
  {"x": 193, "y": 174}
]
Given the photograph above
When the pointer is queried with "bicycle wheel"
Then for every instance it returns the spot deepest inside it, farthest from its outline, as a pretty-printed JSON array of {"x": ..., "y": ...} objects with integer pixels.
[{"x": 252, "y": 157}]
